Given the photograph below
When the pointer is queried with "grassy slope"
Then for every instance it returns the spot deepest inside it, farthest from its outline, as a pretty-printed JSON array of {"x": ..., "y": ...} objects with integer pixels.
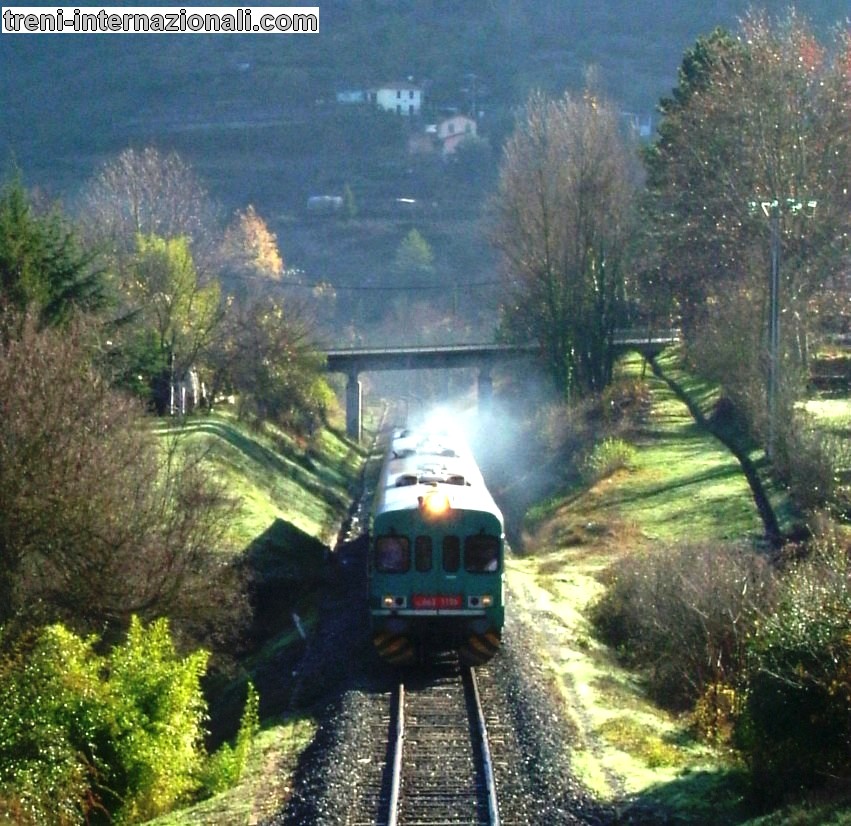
[
  {"x": 277, "y": 477},
  {"x": 294, "y": 497},
  {"x": 683, "y": 485}
]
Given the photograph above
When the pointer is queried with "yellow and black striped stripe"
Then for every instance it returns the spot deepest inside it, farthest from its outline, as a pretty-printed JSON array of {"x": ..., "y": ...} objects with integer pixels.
[
  {"x": 393, "y": 648},
  {"x": 479, "y": 648}
]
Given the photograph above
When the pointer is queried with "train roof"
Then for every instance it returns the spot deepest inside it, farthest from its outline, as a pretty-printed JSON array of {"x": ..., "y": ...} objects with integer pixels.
[{"x": 418, "y": 462}]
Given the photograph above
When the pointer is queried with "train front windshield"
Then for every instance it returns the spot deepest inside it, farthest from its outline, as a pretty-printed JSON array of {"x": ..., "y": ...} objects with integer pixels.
[{"x": 477, "y": 554}]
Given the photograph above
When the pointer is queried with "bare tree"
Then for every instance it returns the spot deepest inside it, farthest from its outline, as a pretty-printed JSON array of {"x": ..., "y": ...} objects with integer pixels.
[
  {"x": 98, "y": 519},
  {"x": 564, "y": 225},
  {"x": 148, "y": 192}
]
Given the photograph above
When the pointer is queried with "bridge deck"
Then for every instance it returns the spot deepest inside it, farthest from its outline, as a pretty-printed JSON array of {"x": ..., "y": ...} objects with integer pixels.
[{"x": 363, "y": 359}]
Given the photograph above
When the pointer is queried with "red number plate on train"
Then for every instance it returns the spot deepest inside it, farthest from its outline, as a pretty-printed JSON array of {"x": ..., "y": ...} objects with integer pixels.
[{"x": 437, "y": 602}]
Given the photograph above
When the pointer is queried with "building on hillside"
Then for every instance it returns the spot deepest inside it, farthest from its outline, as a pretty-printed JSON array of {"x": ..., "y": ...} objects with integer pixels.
[
  {"x": 452, "y": 131},
  {"x": 325, "y": 204},
  {"x": 402, "y": 98},
  {"x": 351, "y": 96}
]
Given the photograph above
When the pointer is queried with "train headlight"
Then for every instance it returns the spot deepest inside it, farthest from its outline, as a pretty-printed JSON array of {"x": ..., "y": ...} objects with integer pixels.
[
  {"x": 483, "y": 601},
  {"x": 391, "y": 601},
  {"x": 434, "y": 504}
]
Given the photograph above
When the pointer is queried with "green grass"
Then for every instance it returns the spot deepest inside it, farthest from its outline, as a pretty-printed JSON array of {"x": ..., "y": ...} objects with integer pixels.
[
  {"x": 834, "y": 415},
  {"x": 273, "y": 476},
  {"x": 293, "y": 495},
  {"x": 681, "y": 484}
]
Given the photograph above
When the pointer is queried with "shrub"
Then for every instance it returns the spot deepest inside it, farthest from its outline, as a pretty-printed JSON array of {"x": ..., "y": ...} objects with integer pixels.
[
  {"x": 53, "y": 712},
  {"x": 605, "y": 458},
  {"x": 809, "y": 460},
  {"x": 683, "y": 614},
  {"x": 92, "y": 738},
  {"x": 796, "y": 726},
  {"x": 225, "y": 767},
  {"x": 157, "y": 695},
  {"x": 625, "y": 401}
]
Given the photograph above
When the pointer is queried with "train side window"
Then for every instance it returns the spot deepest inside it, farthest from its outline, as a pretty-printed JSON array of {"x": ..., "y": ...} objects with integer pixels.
[
  {"x": 422, "y": 554},
  {"x": 451, "y": 554},
  {"x": 392, "y": 554},
  {"x": 481, "y": 554}
]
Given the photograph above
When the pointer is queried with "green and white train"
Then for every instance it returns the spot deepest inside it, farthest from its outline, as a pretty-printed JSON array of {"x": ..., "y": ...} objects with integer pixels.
[{"x": 436, "y": 553}]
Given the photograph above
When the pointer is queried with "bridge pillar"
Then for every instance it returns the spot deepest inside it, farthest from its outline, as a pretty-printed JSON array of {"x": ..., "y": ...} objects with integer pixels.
[
  {"x": 354, "y": 403},
  {"x": 485, "y": 389}
]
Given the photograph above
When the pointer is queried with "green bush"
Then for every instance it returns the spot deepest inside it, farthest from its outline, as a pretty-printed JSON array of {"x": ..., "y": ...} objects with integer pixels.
[
  {"x": 53, "y": 715},
  {"x": 796, "y": 726},
  {"x": 91, "y": 738},
  {"x": 160, "y": 728},
  {"x": 605, "y": 458},
  {"x": 683, "y": 614},
  {"x": 226, "y": 766}
]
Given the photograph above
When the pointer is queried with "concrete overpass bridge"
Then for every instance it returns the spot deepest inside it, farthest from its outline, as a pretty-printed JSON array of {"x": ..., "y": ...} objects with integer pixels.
[{"x": 483, "y": 357}]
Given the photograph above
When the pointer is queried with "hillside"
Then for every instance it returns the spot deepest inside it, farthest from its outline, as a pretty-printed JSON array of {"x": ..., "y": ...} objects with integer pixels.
[{"x": 257, "y": 117}]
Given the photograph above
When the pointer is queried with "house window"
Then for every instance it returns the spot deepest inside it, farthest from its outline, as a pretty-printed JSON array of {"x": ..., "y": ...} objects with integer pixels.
[
  {"x": 411, "y": 109},
  {"x": 411, "y": 94},
  {"x": 398, "y": 94}
]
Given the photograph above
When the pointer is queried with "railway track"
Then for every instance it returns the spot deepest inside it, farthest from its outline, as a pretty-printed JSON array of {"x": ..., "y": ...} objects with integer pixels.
[{"x": 436, "y": 767}]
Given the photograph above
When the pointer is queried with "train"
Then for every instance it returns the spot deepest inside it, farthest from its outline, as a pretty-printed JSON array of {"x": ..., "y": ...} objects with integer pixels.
[{"x": 436, "y": 569}]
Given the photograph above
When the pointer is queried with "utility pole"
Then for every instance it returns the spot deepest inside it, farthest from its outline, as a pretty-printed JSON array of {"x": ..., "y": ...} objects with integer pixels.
[
  {"x": 772, "y": 210},
  {"x": 773, "y": 322}
]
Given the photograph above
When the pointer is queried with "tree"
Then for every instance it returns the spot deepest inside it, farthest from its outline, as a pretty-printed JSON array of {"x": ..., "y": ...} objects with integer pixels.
[
  {"x": 760, "y": 123},
  {"x": 250, "y": 249},
  {"x": 147, "y": 192},
  {"x": 758, "y": 118},
  {"x": 350, "y": 207},
  {"x": 182, "y": 310},
  {"x": 149, "y": 214},
  {"x": 414, "y": 259},
  {"x": 43, "y": 266},
  {"x": 564, "y": 224},
  {"x": 168, "y": 298},
  {"x": 265, "y": 354},
  {"x": 98, "y": 519}
]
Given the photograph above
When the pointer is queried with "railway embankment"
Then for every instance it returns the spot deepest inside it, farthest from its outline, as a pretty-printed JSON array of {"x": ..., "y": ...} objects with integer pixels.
[
  {"x": 590, "y": 746},
  {"x": 295, "y": 497},
  {"x": 682, "y": 485}
]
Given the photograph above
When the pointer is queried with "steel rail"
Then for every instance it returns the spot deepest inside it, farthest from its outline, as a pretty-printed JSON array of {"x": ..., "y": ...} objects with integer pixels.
[
  {"x": 484, "y": 745},
  {"x": 481, "y": 746},
  {"x": 396, "y": 772}
]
